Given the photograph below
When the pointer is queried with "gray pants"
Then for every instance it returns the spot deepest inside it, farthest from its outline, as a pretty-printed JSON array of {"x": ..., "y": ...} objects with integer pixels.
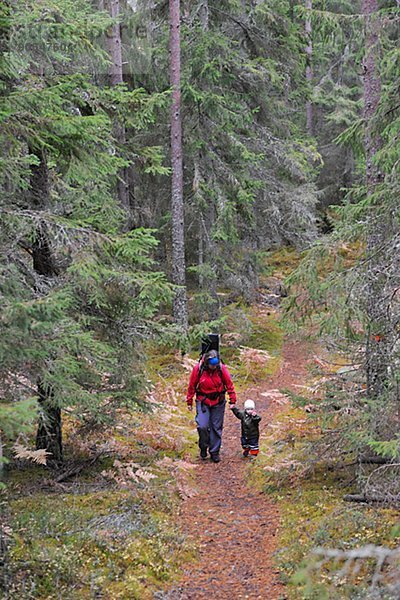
[{"x": 210, "y": 421}]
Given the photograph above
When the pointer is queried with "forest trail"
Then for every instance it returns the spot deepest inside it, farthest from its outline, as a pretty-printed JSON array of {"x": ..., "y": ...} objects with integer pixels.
[{"x": 233, "y": 525}]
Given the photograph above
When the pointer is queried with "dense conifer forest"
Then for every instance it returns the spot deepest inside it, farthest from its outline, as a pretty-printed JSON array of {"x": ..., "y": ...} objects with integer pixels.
[{"x": 171, "y": 169}]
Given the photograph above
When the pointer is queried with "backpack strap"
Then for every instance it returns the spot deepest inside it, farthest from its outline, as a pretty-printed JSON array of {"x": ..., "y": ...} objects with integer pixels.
[{"x": 201, "y": 371}]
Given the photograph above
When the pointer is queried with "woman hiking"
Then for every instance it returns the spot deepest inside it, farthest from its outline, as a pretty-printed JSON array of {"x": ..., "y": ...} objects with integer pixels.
[{"x": 209, "y": 382}]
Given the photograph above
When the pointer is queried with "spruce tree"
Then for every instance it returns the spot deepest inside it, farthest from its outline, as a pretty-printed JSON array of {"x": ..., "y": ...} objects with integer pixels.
[
  {"x": 309, "y": 69},
  {"x": 377, "y": 359},
  {"x": 248, "y": 177},
  {"x": 116, "y": 77},
  {"x": 350, "y": 279},
  {"x": 78, "y": 295},
  {"x": 177, "y": 202}
]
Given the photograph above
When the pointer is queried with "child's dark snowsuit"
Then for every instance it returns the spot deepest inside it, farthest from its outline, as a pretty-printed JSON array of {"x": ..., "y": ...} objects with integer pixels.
[{"x": 250, "y": 431}]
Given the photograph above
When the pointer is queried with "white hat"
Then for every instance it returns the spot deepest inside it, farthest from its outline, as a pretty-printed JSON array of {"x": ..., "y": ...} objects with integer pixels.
[{"x": 249, "y": 405}]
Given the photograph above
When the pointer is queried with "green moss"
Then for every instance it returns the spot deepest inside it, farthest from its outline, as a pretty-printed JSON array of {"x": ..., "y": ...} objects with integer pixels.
[
  {"x": 267, "y": 333},
  {"x": 112, "y": 541},
  {"x": 161, "y": 363},
  {"x": 262, "y": 332},
  {"x": 281, "y": 263}
]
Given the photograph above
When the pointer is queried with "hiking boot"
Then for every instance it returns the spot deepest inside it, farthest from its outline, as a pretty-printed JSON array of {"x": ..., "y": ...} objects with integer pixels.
[
  {"x": 203, "y": 453},
  {"x": 215, "y": 458},
  {"x": 246, "y": 452}
]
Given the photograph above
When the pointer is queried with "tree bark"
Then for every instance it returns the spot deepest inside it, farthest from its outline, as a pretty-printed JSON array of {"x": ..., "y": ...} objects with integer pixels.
[
  {"x": 372, "y": 87},
  {"x": 49, "y": 427},
  {"x": 374, "y": 460},
  {"x": 177, "y": 203},
  {"x": 309, "y": 69},
  {"x": 116, "y": 77},
  {"x": 114, "y": 43},
  {"x": 206, "y": 244},
  {"x": 204, "y": 14},
  {"x": 355, "y": 498},
  {"x": 377, "y": 353},
  {"x": 43, "y": 259},
  {"x": 292, "y": 4},
  {"x": 49, "y": 433},
  {"x": 1, "y": 458},
  {"x": 201, "y": 249},
  {"x": 209, "y": 283}
]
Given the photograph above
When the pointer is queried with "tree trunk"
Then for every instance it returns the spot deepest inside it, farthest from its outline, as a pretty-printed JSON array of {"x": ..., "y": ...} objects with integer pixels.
[
  {"x": 1, "y": 458},
  {"x": 377, "y": 353},
  {"x": 49, "y": 433},
  {"x": 177, "y": 205},
  {"x": 212, "y": 310},
  {"x": 372, "y": 88},
  {"x": 49, "y": 427},
  {"x": 292, "y": 4},
  {"x": 116, "y": 77},
  {"x": 43, "y": 259},
  {"x": 309, "y": 69},
  {"x": 204, "y": 14},
  {"x": 205, "y": 231},
  {"x": 114, "y": 43},
  {"x": 201, "y": 249}
]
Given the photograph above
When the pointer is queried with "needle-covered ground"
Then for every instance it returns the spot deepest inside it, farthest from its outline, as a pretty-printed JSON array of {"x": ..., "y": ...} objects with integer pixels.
[{"x": 233, "y": 524}]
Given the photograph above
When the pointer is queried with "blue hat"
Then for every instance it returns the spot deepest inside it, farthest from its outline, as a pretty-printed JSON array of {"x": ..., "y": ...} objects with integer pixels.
[{"x": 213, "y": 361}]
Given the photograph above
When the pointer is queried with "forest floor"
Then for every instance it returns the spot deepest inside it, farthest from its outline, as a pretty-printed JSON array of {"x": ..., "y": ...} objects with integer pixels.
[
  {"x": 234, "y": 524},
  {"x": 148, "y": 520}
]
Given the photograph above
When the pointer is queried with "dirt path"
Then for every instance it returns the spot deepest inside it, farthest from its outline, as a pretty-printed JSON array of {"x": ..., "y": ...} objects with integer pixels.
[{"x": 234, "y": 525}]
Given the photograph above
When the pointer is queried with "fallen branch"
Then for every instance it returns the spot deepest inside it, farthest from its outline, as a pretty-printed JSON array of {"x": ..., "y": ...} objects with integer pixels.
[
  {"x": 384, "y": 575},
  {"x": 356, "y": 498},
  {"x": 374, "y": 460},
  {"x": 76, "y": 470}
]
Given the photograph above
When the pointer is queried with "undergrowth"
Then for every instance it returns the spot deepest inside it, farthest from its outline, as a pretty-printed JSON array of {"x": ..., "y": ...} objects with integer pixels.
[
  {"x": 253, "y": 344},
  {"x": 110, "y": 530},
  {"x": 309, "y": 493},
  {"x": 118, "y": 543}
]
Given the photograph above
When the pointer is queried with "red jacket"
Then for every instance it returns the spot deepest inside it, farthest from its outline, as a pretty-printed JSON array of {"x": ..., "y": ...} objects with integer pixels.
[{"x": 210, "y": 382}]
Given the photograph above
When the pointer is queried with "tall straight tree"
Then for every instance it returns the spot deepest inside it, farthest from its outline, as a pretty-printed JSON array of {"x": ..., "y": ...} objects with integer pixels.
[
  {"x": 377, "y": 347},
  {"x": 177, "y": 204},
  {"x": 74, "y": 290},
  {"x": 206, "y": 210},
  {"x": 309, "y": 69},
  {"x": 116, "y": 77},
  {"x": 49, "y": 433},
  {"x": 114, "y": 43}
]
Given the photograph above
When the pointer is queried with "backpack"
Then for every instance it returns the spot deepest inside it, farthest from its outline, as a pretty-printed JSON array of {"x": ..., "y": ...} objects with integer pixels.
[{"x": 211, "y": 342}]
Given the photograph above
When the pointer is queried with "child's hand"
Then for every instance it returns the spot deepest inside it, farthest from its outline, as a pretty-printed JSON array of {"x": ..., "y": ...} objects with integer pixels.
[
  {"x": 253, "y": 413},
  {"x": 231, "y": 406}
]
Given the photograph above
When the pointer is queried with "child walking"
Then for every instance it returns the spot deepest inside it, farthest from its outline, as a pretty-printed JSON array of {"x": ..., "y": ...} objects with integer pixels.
[{"x": 250, "y": 427}]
